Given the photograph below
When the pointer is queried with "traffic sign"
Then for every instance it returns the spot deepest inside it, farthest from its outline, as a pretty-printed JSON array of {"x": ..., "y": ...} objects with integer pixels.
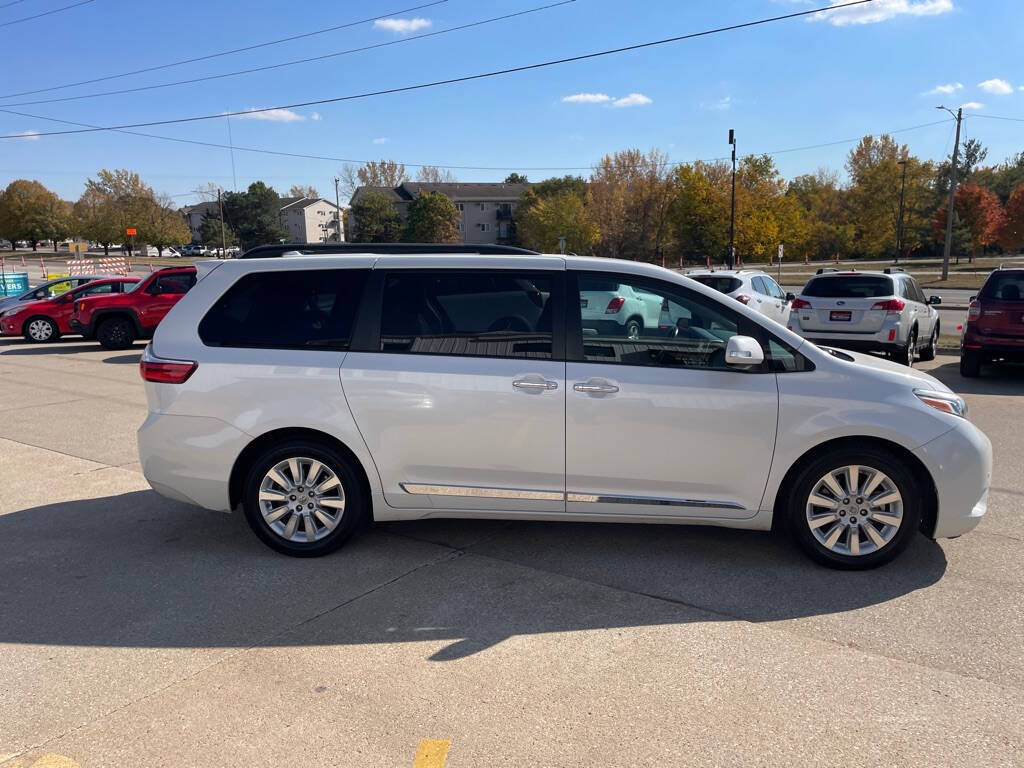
[
  {"x": 131, "y": 231},
  {"x": 780, "y": 251}
]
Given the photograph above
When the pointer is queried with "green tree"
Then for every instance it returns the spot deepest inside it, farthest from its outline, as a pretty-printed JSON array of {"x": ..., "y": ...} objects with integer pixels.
[
  {"x": 375, "y": 220},
  {"x": 700, "y": 211},
  {"x": 95, "y": 220},
  {"x": 546, "y": 219},
  {"x": 255, "y": 215},
  {"x": 209, "y": 232},
  {"x": 821, "y": 198},
  {"x": 29, "y": 211},
  {"x": 161, "y": 226},
  {"x": 432, "y": 218},
  {"x": 515, "y": 178}
]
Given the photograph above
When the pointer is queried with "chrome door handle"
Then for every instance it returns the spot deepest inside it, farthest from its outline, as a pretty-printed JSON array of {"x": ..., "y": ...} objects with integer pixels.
[
  {"x": 595, "y": 389},
  {"x": 533, "y": 385}
]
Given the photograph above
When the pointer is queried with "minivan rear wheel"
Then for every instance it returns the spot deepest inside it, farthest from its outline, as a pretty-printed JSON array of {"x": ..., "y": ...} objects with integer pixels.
[
  {"x": 303, "y": 498},
  {"x": 854, "y": 509}
]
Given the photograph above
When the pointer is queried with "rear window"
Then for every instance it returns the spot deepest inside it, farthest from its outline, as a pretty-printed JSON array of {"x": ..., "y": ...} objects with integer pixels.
[
  {"x": 721, "y": 283},
  {"x": 1005, "y": 286},
  {"x": 307, "y": 309},
  {"x": 849, "y": 287}
]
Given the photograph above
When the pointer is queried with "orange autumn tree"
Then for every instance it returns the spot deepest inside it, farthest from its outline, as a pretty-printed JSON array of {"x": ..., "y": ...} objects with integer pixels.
[{"x": 979, "y": 211}]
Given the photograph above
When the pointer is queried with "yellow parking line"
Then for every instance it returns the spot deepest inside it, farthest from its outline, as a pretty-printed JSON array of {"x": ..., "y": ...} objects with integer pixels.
[{"x": 432, "y": 753}]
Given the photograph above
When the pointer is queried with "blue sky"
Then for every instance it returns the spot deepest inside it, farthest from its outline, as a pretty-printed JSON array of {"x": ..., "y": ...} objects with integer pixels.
[{"x": 795, "y": 83}]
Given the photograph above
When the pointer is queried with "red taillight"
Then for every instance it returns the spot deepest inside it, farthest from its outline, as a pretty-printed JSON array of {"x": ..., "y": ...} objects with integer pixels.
[
  {"x": 974, "y": 311},
  {"x": 614, "y": 305},
  {"x": 800, "y": 304},
  {"x": 166, "y": 372},
  {"x": 892, "y": 334},
  {"x": 889, "y": 305},
  {"x": 742, "y": 298}
]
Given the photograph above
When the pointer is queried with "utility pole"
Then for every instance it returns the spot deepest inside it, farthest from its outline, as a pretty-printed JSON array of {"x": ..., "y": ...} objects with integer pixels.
[
  {"x": 223, "y": 237},
  {"x": 732, "y": 210},
  {"x": 952, "y": 193},
  {"x": 899, "y": 224},
  {"x": 337, "y": 206}
]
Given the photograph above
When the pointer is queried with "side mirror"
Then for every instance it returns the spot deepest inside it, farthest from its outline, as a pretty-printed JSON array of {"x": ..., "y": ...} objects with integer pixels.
[
  {"x": 790, "y": 296},
  {"x": 743, "y": 352},
  {"x": 973, "y": 297},
  {"x": 934, "y": 300}
]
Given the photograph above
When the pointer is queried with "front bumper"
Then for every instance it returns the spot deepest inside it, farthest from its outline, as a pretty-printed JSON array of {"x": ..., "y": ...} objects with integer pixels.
[
  {"x": 190, "y": 458},
  {"x": 10, "y": 327},
  {"x": 77, "y": 326},
  {"x": 960, "y": 463}
]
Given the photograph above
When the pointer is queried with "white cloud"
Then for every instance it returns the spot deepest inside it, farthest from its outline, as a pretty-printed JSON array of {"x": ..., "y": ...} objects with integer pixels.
[
  {"x": 381, "y": 140},
  {"x": 270, "y": 115},
  {"x": 633, "y": 100},
  {"x": 724, "y": 103},
  {"x": 881, "y": 10},
  {"x": 996, "y": 86},
  {"x": 402, "y": 26},
  {"x": 944, "y": 90},
  {"x": 29, "y": 135},
  {"x": 315, "y": 116},
  {"x": 972, "y": 105},
  {"x": 587, "y": 98}
]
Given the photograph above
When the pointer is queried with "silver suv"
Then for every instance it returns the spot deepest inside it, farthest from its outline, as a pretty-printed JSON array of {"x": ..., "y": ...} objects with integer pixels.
[
  {"x": 756, "y": 289},
  {"x": 868, "y": 312}
]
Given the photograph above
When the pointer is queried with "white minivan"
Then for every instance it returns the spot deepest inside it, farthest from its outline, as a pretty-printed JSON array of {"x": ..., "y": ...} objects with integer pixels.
[{"x": 321, "y": 392}]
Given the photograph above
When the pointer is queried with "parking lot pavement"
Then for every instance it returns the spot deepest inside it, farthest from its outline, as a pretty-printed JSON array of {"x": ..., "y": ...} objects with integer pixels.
[{"x": 138, "y": 631}]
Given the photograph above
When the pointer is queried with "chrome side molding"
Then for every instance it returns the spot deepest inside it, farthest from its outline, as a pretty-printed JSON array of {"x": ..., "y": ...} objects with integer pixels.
[{"x": 480, "y": 492}]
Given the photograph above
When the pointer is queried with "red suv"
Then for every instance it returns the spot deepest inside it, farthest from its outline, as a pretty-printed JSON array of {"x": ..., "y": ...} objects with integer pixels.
[
  {"x": 117, "y": 321},
  {"x": 47, "y": 319},
  {"x": 995, "y": 322}
]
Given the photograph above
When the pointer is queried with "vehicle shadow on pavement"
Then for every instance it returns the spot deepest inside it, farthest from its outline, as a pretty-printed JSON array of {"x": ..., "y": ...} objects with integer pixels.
[
  {"x": 61, "y": 347},
  {"x": 995, "y": 379},
  {"x": 137, "y": 570}
]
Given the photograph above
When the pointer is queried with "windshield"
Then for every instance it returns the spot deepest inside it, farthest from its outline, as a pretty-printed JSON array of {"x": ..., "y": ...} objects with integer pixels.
[
  {"x": 129, "y": 287},
  {"x": 722, "y": 283},
  {"x": 1006, "y": 286},
  {"x": 850, "y": 287}
]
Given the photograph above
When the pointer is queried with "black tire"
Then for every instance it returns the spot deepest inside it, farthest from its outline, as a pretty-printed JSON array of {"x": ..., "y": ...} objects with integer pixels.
[
  {"x": 905, "y": 355},
  {"x": 634, "y": 328},
  {"x": 869, "y": 458},
  {"x": 970, "y": 364},
  {"x": 115, "y": 333},
  {"x": 40, "y": 330},
  {"x": 355, "y": 512},
  {"x": 929, "y": 352}
]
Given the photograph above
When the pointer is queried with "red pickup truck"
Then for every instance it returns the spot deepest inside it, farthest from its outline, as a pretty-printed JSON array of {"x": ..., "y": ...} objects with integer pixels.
[{"x": 117, "y": 320}]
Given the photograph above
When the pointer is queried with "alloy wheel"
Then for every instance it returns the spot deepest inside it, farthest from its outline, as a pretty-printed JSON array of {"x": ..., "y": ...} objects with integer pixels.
[
  {"x": 854, "y": 510},
  {"x": 301, "y": 499}
]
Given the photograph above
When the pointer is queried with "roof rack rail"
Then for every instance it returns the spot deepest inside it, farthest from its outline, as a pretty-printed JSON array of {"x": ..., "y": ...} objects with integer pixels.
[
  {"x": 823, "y": 270},
  {"x": 893, "y": 270}
]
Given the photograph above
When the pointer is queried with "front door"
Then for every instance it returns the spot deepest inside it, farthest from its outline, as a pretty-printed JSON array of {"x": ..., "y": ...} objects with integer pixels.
[
  {"x": 461, "y": 401},
  {"x": 163, "y": 293},
  {"x": 659, "y": 426}
]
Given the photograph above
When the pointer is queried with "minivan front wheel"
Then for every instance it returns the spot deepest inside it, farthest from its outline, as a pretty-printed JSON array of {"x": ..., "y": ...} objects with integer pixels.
[
  {"x": 303, "y": 499},
  {"x": 854, "y": 509}
]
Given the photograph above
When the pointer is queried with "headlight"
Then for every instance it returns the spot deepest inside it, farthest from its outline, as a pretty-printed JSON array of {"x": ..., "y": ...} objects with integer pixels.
[
  {"x": 946, "y": 402},
  {"x": 9, "y": 312}
]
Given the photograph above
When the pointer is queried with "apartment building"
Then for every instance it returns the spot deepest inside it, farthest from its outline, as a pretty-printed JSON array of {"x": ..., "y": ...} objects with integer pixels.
[
  {"x": 311, "y": 220},
  {"x": 486, "y": 211},
  {"x": 194, "y": 215}
]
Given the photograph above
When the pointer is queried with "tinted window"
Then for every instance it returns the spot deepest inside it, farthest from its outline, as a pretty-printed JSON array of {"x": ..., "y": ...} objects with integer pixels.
[
  {"x": 773, "y": 288},
  {"x": 915, "y": 291},
  {"x": 286, "y": 310},
  {"x": 94, "y": 289},
  {"x": 179, "y": 283},
  {"x": 1005, "y": 286},
  {"x": 479, "y": 314},
  {"x": 723, "y": 283},
  {"x": 782, "y": 358},
  {"x": 849, "y": 287},
  {"x": 654, "y": 323}
]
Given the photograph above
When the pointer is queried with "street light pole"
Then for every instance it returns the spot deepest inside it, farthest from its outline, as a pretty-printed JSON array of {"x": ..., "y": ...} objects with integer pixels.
[
  {"x": 223, "y": 237},
  {"x": 732, "y": 204},
  {"x": 337, "y": 207},
  {"x": 952, "y": 193},
  {"x": 899, "y": 224}
]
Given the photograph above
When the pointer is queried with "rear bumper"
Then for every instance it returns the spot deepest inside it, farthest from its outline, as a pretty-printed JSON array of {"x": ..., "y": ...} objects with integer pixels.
[
  {"x": 857, "y": 344},
  {"x": 960, "y": 463},
  {"x": 189, "y": 458},
  {"x": 1002, "y": 346}
]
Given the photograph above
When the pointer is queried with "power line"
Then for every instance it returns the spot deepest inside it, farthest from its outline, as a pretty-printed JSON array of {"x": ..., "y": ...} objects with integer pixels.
[
  {"x": 294, "y": 61},
  {"x": 45, "y": 13},
  {"x": 465, "y": 78},
  {"x": 252, "y": 47},
  {"x": 327, "y": 158},
  {"x": 996, "y": 117},
  {"x": 8, "y": 5}
]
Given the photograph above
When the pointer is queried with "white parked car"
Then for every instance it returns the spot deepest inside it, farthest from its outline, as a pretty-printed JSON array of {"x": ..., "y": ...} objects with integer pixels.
[
  {"x": 869, "y": 312},
  {"x": 405, "y": 387},
  {"x": 758, "y": 290}
]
